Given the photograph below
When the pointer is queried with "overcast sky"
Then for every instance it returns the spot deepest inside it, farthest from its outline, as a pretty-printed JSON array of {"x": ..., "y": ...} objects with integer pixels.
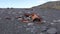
[{"x": 21, "y": 3}]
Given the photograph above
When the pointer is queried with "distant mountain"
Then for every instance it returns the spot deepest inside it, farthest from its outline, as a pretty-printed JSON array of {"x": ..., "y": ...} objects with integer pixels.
[{"x": 51, "y": 4}]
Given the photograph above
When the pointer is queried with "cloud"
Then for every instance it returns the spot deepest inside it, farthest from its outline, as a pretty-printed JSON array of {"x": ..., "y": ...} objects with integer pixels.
[
  {"x": 54, "y": 0},
  {"x": 49, "y": 0}
]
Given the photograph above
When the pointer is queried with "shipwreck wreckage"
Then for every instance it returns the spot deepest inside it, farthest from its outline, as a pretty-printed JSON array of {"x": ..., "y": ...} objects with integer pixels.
[{"x": 33, "y": 17}]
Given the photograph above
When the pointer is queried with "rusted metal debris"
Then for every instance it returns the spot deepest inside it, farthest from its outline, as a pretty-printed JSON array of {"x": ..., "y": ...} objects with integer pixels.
[{"x": 34, "y": 18}]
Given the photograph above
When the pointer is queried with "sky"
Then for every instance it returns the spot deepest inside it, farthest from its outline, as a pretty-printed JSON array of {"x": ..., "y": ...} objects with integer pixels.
[{"x": 21, "y": 3}]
